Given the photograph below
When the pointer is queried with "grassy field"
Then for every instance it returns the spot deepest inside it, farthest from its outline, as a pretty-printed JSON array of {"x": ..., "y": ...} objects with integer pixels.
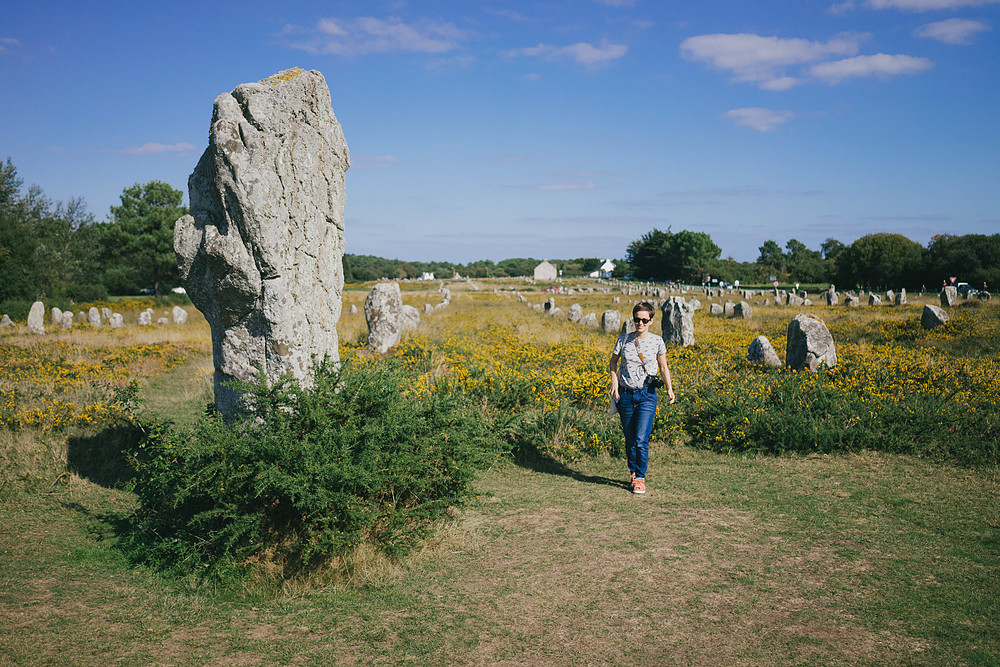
[{"x": 852, "y": 558}]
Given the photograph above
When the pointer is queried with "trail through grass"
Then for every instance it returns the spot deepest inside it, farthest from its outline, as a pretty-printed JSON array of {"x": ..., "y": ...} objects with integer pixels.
[{"x": 867, "y": 559}]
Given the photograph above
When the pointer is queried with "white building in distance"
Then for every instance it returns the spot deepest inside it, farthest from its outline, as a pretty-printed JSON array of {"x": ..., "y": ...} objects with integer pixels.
[{"x": 546, "y": 272}]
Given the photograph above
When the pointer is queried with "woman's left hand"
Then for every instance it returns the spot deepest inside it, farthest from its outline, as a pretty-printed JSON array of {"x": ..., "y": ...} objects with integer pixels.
[{"x": 670, "y": 395}]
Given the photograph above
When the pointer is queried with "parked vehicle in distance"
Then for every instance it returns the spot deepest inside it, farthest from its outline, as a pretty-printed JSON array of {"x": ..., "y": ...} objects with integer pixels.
[
  {"x": 147, "y": 290},
  {"x": 965, "y": 289},
  {"x": 179, "y": 290}
]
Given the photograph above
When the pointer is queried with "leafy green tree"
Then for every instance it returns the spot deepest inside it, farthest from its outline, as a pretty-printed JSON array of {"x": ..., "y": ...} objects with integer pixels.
[
  {"x": 648, "y": 256},
  {"x": 805, "y": 265},
  {"x": 881, "y": 260},
  {"x": 140, "y": 236},
  {"x": 772, "y": 259},
  {"x": 691, "y": 254},
  {"x": 972, "y": 258}
]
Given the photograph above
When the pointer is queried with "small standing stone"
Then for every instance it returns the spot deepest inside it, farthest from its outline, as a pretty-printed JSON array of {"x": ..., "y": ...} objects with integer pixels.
[
  {"x": 743, "y": 310},
  {"x": 5, "y": 322},
  {"x": 729, "y": 309},
  {"x": 180, "y": 316},
  {"x": 56, "y": 315},
  {"x": 67, "y": 321},
  {"x": 116, "y": 321},
  {"x": 106, "y": 314},
  {"x": 874, "y": 299},
  {"x": 901, "y": 298},
  {"x": 354, "y": 309},
  {"x": 762, "y": 352},
  {"x": 36, "y": 318},
  {"x": 933, "y": 316},
  {"x": 163, "y": 320},
  {"x": 715, "y": 309},
  {"x": 831, "y": 296},
  {"x": 589, "y": 320},
  {"x": 145, "y": 318},
  {"x": 809, "y": 344},
  {"x": 575, "y": 312},
  {"x": 383, "y": 307},
  {"x": 852, "y": 301},
  {"x": 949, "y": 295},
  {"x": 409, "y": 318},
  {"x": 94, "y": 317},
  {"x": 611, "y": 321}
]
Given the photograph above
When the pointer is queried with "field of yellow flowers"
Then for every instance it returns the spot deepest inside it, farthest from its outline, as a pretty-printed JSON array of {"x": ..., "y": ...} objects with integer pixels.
[{"x": 897, "y": 387}]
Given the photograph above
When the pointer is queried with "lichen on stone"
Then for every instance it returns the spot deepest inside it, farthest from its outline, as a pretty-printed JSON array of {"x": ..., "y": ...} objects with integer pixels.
[{"x": 286, "y": 75}]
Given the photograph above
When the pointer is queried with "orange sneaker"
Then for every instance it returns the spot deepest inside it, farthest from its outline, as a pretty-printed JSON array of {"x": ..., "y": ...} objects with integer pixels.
[
  {"x": 639, "y": 485},
  {"x": 631, "y": 481}
]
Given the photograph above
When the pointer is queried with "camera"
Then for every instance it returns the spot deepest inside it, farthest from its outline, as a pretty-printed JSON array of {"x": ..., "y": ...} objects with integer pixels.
[{"x": 654, "y": 382}]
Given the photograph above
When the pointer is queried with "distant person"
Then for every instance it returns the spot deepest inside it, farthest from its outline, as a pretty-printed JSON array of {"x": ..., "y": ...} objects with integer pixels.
[{"x": 633, "y": 389}]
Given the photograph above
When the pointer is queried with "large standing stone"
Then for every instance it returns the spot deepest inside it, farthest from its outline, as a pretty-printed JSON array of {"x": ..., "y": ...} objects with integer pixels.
[
  {"x": 677, "y": 325},
  {"x": 36, "y": 318},
  {"x": 933, "y": 316},
  {"x": 743, "y": 310},
  {"x": 809, "y": 344},
  {"x": 831, "y": 296},
  {"x": 949, "y": 295},
  {"x": 762, "y": 352},
  {"x": 116, "y": 321},
  {"x": 67, "y": 321},
  {"x": 611, "y": 321},
  {"x": 56, "y": 315},
  {"x": 383, "y": 309},
  {"x": 261, "y": 253},
  {"x": 575, "y": 312},
  {"x": 94, "y": 317},
  {"x": 179, "y": 315},
  {"x": 901, "y": 297},
  {"x": 729, "y": 309}
]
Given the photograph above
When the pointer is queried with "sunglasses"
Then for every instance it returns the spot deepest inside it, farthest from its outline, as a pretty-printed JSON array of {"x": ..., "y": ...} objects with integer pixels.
[{"x": 639, "y": 320}]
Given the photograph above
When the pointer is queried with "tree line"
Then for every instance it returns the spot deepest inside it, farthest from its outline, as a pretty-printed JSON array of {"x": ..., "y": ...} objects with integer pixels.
[
  {"x": 879, "y": 260},
  {"x": 58, "y": 252}
]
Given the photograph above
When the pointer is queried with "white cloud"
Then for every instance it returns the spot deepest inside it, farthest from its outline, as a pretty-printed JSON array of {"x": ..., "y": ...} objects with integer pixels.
[
  {"x": 763, "y": 60},
  {"x": 762, "y": 120},
  {"x": 927, "y": 5},
  {"x": 880, "y": 64},
  {"x": 373, "y": 161},
  {"x": 156, "y": 149},
  {"x": 583, "y": 53},
  {"x": 6, "y": 43},
  {"x": 366, "y": 34},
  {"x": 953, "y": 31}
]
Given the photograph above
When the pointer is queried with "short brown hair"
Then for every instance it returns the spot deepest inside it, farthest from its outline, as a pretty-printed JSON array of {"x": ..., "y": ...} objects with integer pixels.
[{"x": 643, "y": 306}]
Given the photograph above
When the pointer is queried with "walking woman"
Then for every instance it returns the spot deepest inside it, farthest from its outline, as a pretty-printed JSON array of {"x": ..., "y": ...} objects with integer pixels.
[{"x": 635, "y": 361}]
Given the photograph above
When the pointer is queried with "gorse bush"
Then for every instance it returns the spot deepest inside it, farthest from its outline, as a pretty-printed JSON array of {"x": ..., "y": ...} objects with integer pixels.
[{"x": 312, "y": 474}]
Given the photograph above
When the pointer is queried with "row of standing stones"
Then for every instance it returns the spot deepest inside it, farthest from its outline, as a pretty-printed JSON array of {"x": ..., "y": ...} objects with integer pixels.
[
  {"x": 95, "y": 317},
  {"x": 809, "y": 342}
]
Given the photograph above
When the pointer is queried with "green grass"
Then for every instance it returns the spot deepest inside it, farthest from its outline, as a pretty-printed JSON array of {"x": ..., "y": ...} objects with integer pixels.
[{"x": 853, "y": 559}]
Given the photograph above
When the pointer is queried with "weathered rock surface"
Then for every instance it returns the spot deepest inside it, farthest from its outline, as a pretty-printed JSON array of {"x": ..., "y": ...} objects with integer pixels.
[
  {"x": 575, "y": 312},
  {"x": 677, "y": 324},
  {"x": 611, "y": 321},
  {"x": 56, "y": 315},
  {"x": 354, "y": 309},
  {"x": 852, "y": 301},
  {"x": 949, "y": 295},
  {"x": 106, "y": 314},
  {"x": 145, "y": 318},
  {"x": 874, "y": 299},
  {"x": 261, "y": 252},
  {"x": 383, "y": 311},
  {"x": 900, "y": 298},
  {"x": 762, "y": 352},
  {"x": 116, "y": 321},
  {"x": 809, "y": 344},
  {"x": 590, "y": 320},
  {"x": 794, "y": 300},
  {"x": 729, "y": 309},
  {"x": 409, "y": 318},
  {"x": 831, "y": 296},
  {"x": 933, "y": 316},
  {"x": 715, "y": 309},
  {"x": 67, "y": 321},
  {"x": 36, "y": 318},
  {"x": 179, "y": 315},
  {"x": 744, "y": 310},
  {"x": 94, "y": 317},
  {"x": 5, "y": 321}
]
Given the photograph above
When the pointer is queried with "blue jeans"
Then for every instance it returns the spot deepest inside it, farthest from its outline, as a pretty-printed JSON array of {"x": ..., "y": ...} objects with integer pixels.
[{"x": 637, "y": 409}]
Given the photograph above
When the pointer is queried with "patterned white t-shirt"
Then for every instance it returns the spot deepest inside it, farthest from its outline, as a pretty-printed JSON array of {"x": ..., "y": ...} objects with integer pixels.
[{"x": 630, "y": 370}]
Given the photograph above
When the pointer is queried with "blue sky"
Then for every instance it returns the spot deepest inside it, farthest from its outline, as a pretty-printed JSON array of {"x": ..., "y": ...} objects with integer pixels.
[{"x": 486, "y": 130}]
